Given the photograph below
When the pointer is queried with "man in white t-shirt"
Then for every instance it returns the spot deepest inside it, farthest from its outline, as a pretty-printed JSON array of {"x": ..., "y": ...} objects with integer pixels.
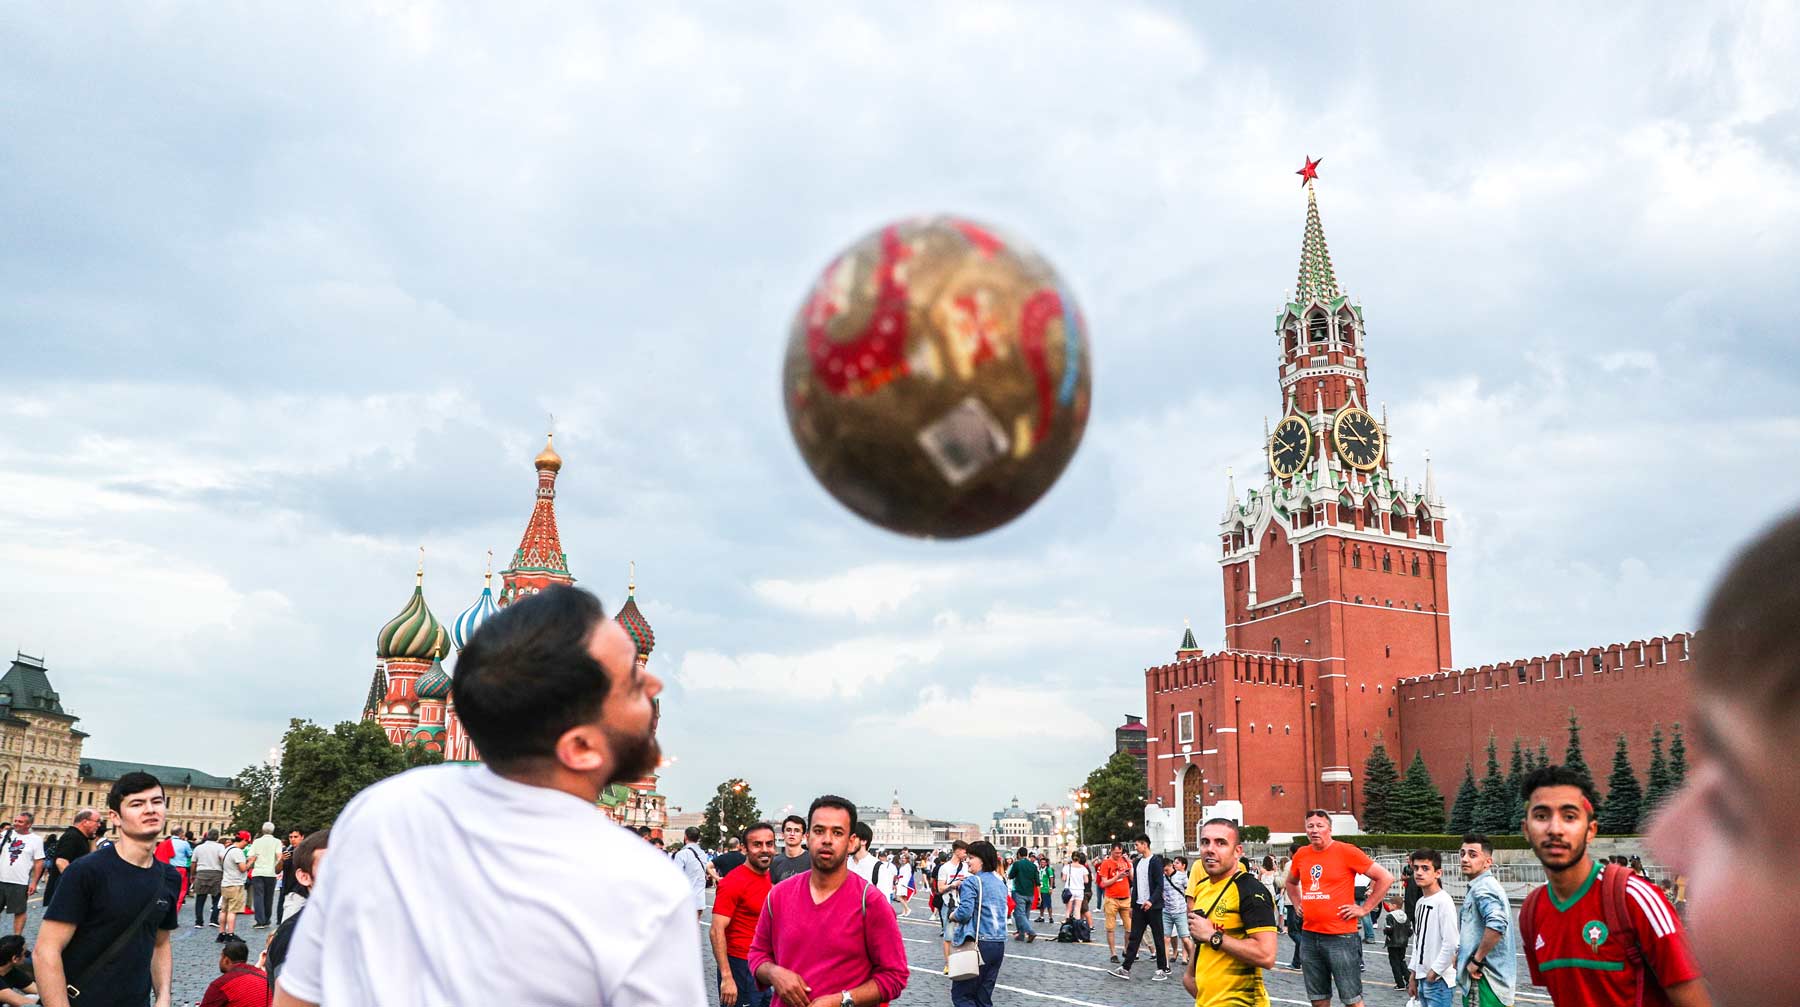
[
  {"x": 442, "y": 871},
  {"x": 862, "y": 860},
  {"x": 21, "y": 866}
]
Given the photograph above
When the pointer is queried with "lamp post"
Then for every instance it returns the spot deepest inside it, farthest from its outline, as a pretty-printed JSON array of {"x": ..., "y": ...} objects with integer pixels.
[
  {"x": 1080, "y": 797},
  {"x": 274, "y": 780}
]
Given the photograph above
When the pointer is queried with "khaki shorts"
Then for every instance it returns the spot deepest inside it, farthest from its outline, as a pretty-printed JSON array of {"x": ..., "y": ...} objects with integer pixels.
[
  {"x": 1120, "y": 908},
  {"x": 231, "y": 899}
]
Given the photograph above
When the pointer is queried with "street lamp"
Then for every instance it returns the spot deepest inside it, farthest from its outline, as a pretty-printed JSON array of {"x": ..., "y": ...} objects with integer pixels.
[{"x": 1080, "y": 797}]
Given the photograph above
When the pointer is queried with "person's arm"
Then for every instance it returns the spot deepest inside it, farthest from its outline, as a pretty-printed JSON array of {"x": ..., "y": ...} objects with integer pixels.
[
  {"x": 1380, "y": 879},
  {"x": 47, "y": 964},
  {"x": 1292, "y": 886},
  {"x": 965, "y": 899},
  {"x": 723, "y": 905},
  {"x": 886, "y": 952},
  {"x": 37, "y": 875},
  {"x": 162, "y": 968},
  {"x": 1689, "y": 994},
  {"x": 285, "y": 999},
  {"x": 1443, "y": 957},
  {"x": 14, "y": 998}
]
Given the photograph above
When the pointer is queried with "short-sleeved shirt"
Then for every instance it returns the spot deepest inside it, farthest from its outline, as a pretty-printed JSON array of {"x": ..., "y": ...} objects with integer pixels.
[
  {"x": 267, "y": 851},
  {"x": 725, "y": 863},
  {"x": 1076, "y": 877},
  {"x": 1584, "y": 964},
  {"x": 785, "y": 867},
  {"x": 208, "y": 856},
  {"x": 19, "y": 854},
  {"x": 740, "y": 899},
  {"x": 234, "y": 869},
  {"x": 1239, "y": 906},
  {"x": 181, "y": 852},
  {"x": 1119, "y": 888},
  {"x": 1328, "y": 881},
  {"x": 1175, "y": 892},
  {"x": 102, "y": 895},
  {"x": 1024, "y": 876},
  {"x": 950, "y": 877}
]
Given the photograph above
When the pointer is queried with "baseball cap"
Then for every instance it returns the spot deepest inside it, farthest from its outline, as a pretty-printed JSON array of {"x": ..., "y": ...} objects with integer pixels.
[{"x": 245, "y": 836}]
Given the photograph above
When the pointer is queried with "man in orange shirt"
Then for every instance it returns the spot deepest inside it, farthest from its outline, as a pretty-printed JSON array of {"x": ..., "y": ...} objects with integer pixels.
[
  {"x": 1322, "y": 882},
  {"x": 1113, "y": 876}
]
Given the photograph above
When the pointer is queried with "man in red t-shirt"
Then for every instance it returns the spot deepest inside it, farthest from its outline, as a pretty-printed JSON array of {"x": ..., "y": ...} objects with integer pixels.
[
  {"x": 735, "y": 910},
  {"x": 1113, "y": 876},
  {"x": 240, "y": 984},
  {"x": 1570, "y": 945},
  {"x": 1322, "y": 882}
]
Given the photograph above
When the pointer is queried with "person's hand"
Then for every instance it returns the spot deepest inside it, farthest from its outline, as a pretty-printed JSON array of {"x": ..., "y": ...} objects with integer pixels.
[
  {"x": 789, "y": 988},
  {"x": 1474, "y": 969},
  {"x": 1352, "y": 912},
  {"x": 1412, "y": 986},
  {"x": 1189, "y": 983},
  {"x": 1201, "y": 926},
  {"x": 1431, "y": 977},
  {"x": 727, "y": 990},
  {"x": 1145, "y": 906}
]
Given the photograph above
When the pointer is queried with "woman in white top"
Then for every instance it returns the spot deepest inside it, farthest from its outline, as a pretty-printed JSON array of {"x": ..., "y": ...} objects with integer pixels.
[{"x": 1075, "y": 879}]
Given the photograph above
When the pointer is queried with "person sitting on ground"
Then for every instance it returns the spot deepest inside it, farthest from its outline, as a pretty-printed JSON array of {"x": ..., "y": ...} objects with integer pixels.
[
  {"x": 240, "y": 984},
  {"x": 17, "y": 984}
]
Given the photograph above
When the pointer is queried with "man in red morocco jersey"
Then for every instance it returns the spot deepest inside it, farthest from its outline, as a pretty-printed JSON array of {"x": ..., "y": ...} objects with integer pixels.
[
  {"x": 736, "y": 909},
  {"x": 1569, "y": 943}
]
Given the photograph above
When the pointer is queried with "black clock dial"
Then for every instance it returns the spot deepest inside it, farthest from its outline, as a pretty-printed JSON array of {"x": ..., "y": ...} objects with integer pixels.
[
  {"x": 1358, "y": 439},
  {"x": 1290, "y": 446}
]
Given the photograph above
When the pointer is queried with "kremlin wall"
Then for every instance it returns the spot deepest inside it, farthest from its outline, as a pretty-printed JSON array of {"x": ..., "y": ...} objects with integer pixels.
[{"x": 1337, "y": 616}]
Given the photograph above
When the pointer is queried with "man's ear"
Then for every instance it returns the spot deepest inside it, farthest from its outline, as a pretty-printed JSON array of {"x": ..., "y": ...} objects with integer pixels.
[{"x": 583, "y": 748}]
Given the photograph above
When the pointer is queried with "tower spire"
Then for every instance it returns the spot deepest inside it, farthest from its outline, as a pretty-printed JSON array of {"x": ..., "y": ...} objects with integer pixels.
[
  {"x": 1430, "y": 481},
  {"x": 1316, "y": 280},
  {"x": 1230, "y": 492},
  {"x": 539, "y": 562}
]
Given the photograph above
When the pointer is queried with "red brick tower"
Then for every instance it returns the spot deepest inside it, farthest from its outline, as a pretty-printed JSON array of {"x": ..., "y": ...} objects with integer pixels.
[{"x": 539, "y": 561}]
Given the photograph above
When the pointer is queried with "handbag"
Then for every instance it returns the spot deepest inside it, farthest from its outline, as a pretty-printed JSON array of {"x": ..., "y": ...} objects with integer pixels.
[{"x": 965, "y": 961}]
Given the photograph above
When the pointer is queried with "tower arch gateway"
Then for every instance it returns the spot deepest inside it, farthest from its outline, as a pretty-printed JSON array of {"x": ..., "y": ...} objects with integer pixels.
[{"x": 1193, "y": 798}]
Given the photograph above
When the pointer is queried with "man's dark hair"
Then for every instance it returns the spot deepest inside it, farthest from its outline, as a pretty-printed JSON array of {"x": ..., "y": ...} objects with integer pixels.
[
  {"x": 1432, "y": 857},
  {"x": 1747, "y": 647},
  {"x": 959, "y": 845},
  {"x": 235, "y": 951},
  {"x": 768, "y": 827},
  {"x": 1319, "y": 813},
  {"x": 1118, "y": 847},
  {"x": 990, "y": 857},
  {"x": 1141, "y": 837},
  {"x": 830, "y": 801},
  {"x": 1023, "y": 852},
  {"x": 1237, "y": 834},
  {"x": 309, "y": 848},
  {"x": 644, "y": 830},
  {"x": 691, "y": 834},
  {"x": 796, "y": 819},
  {"x": 1080, "y": 857},
  {"x": 11, "y": 946},
  {"x": 526, "y": 676},
  {"x": 134, "y": 782},
  {"x": 863, "y": 832},
  {"x": 1559, "y": 776},
  {"x": 1480, "y": 839}
]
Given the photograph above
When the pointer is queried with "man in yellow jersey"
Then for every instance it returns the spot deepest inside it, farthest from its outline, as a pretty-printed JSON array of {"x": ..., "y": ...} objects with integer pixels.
[{"x": 1232, "y": 918}]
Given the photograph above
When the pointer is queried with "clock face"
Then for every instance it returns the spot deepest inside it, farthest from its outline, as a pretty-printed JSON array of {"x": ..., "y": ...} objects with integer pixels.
[
  {"x": 1357, "y": 438},
  {"x": 1290, "y": 446}
]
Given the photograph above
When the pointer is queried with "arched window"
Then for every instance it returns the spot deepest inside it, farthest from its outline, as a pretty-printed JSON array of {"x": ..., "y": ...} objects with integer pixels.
[
  {"x": 1370, "y": 519},
  {"x": 1275, "y": 645},
  {"x": 1387, "y": 563},
  {"x": 1318, "y": 327},
  {"x": 1415, "y": 566},
  {"x": 1291, "y": 338},
  {"x": 1347, "y": 329},
  {"x": 1356, "y": 557}
]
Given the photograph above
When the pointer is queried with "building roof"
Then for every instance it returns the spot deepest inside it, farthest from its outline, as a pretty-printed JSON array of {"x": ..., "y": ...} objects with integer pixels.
[
  {"x": 472, "y": 617},
  {"x": 540, "y": 548},
  {"x": 633, "y": 621},
  {"x": 434, "y": 684},
  {"x": 26, "y": 686},
  {"x": 170, "y": 776},
  {"x": 414, "y": 634},
  {"x": 1187, "y": 638}
]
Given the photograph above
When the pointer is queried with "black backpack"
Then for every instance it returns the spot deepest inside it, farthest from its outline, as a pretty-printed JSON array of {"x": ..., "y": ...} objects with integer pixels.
[{"x": 1074, "y": 931}]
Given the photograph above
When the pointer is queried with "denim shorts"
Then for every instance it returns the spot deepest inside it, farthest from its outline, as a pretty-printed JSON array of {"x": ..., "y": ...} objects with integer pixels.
[
  {"x": 1175, "y": 924},
  {"x": 1328, "y": 959}
]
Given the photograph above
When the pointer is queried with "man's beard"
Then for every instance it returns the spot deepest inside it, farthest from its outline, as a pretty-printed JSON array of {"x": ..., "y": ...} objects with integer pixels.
[{"x": 635, "y": 756}]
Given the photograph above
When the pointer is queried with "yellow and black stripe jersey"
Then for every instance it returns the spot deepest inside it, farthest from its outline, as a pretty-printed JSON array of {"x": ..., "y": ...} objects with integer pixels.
[{"x": 1240, "y": 906}]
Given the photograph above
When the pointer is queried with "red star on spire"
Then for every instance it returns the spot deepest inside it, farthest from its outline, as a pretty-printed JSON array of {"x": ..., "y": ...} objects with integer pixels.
[{"x": 1309, "y": 171}]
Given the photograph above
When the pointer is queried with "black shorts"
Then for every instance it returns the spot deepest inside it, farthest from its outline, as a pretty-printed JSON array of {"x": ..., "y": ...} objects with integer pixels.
[{"x": 14, "y": 896}]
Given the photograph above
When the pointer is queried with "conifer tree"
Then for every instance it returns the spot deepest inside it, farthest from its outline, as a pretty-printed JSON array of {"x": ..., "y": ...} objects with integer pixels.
[
  {"x": 1543, "y": 756},
  {"x": 1624, "y": 800},
  {"x": 1515, "y": 777},
  {"x": 1418, "y": 805},
  {"x": 1462, "y": 811},
  {"x": 1572, "y": 757},
  {"x": 1656, "y": 786},
  {"x": 1490, "y": 810},
  {"x": 1677, "y": 760},
  {"x": 1381, "y": 779}
]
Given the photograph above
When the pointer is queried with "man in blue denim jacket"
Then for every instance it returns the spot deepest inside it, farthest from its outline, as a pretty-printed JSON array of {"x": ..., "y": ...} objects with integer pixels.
[{"x": 1487, "y": 959}]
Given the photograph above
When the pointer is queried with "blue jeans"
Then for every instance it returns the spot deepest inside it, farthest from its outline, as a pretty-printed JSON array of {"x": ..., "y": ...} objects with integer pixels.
[
  {"x": 748, "y": 995},
  {"x": 1022, "y": 914},
  {"x": 1328, "y": 960},
  {"x": 979, "y": 991},
  {"x": 1368, "y": 928},
  {"x": 1437, "y": 993}
]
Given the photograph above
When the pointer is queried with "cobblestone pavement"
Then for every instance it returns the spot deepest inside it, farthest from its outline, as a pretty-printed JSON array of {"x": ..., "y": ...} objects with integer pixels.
[{"x": 1045, "y": 972}]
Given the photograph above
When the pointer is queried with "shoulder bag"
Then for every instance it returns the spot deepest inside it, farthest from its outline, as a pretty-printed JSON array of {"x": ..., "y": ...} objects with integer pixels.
[
  {"x": 965, "y": 961},
  {"x": 118, "y": 944}
]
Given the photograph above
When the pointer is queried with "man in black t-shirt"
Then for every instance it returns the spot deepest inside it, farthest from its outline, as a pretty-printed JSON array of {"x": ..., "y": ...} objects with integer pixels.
[
  {"x": 308, "y": 858},
  {"x": 121, "y": 890},
  {"x": 73, "y": 844},
  {"x": 732, "y": 857},
  {"x": 16, "y": 982}
]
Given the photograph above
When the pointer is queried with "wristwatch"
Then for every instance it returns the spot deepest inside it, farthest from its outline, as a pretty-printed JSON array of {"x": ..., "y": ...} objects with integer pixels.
[
  {"x": 847, "y": 1000},
  {"x": 1217, "y": 940}
]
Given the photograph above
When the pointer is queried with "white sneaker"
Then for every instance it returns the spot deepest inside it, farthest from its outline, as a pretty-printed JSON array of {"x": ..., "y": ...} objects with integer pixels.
[
  {"x": 1120, "y": 973},
  {"x": 1160, "y": 975}
]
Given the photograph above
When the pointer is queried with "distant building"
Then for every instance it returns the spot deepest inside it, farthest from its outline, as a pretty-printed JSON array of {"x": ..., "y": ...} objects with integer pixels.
[
  {"x": 896, "y": 827},
  {"x": 43, "y": 771},
  {"x": 1132, "y": 736},
  {"x": 1036, "y": 829}
]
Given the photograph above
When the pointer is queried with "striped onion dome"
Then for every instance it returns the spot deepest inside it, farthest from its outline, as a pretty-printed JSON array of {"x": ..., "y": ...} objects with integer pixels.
[
  {"x": 415, "y": 633},
  {"x": 636, "y": 626},
  {"x": 434, "y": 684},
  {"x": 463, "y": 629}
]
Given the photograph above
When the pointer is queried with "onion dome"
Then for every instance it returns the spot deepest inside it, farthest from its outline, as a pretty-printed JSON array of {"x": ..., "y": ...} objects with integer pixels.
[
  {"x": 414, "y": 634},
  {"x": 548, "y": 459},
  {"x": 434, "y": 684},
  {"x": 633, "y": 621},
  {"x": 463, "y": 629}
]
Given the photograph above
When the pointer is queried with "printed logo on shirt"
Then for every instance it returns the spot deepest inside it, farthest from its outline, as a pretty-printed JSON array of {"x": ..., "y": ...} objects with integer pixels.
[
  {"x": 14, "y": 849},
  {"x": 1593, "y": 932},
  {"x": 1318, "y": 870}
]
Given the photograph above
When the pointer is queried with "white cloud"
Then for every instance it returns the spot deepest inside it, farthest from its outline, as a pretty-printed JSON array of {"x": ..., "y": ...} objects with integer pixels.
[{"x": 987, "y": 713}]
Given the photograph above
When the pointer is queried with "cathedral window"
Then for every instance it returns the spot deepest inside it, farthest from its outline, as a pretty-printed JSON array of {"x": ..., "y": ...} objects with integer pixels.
[{"x": 1387, "y": 565}]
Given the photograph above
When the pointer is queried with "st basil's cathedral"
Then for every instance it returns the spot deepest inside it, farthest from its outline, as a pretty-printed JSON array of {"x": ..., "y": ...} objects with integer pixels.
[{"x": 410, "y": 694}]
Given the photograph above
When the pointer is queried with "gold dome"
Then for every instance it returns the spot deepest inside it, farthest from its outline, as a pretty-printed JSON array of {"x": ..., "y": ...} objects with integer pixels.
[{"x": 548, "y": 458}]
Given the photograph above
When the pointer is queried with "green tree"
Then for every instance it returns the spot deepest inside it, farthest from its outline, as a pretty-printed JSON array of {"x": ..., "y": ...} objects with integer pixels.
[
  {"x": 1380, "y": 778},
  {"x": 1572, "y": 757},
  {"x": 1624, "y": 800},
  {"x": 1491, "y": 809},
  {"x": 1515, "y": 778},
  {"x": 1116, "y": 796},
  {"x": 1418, "y": 805},
  {"x": 321, "y": 771},
  {"x": 1656, "y": 783},
  {"x": 1462, "y": 810},
  {"x": 1677, "y": 760},
  {"x": 1543, "y": 756},
  {"x": 731, "y": 810},
  {"x": 253, "y": 783}
]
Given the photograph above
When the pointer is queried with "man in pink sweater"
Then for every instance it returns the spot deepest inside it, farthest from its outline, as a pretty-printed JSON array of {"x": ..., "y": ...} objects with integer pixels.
[{"x": 827, "y": 938}]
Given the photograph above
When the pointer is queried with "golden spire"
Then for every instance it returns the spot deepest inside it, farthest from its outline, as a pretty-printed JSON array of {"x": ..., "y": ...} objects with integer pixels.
[
  {"x": 548, "y": 459},
  {"x": 631, "y": 581}
]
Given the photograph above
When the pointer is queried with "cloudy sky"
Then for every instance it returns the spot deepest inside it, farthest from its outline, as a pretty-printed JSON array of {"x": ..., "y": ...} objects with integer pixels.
[{"x": 285, "y": 296}]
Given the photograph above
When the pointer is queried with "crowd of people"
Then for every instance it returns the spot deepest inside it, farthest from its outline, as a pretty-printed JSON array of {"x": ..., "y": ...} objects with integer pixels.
[{"x": 807, "y": 913}]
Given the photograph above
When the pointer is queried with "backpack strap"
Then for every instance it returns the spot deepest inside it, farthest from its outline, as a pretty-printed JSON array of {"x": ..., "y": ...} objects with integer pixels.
[{"x": 1615, "y": 907}]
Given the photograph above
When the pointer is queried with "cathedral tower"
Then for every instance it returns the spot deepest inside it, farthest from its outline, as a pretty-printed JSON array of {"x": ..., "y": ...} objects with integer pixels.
[{"x": 539, "y": 561}]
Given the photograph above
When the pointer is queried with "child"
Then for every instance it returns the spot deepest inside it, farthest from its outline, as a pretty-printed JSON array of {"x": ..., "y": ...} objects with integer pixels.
[{"x": 1396, "y": 929}]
